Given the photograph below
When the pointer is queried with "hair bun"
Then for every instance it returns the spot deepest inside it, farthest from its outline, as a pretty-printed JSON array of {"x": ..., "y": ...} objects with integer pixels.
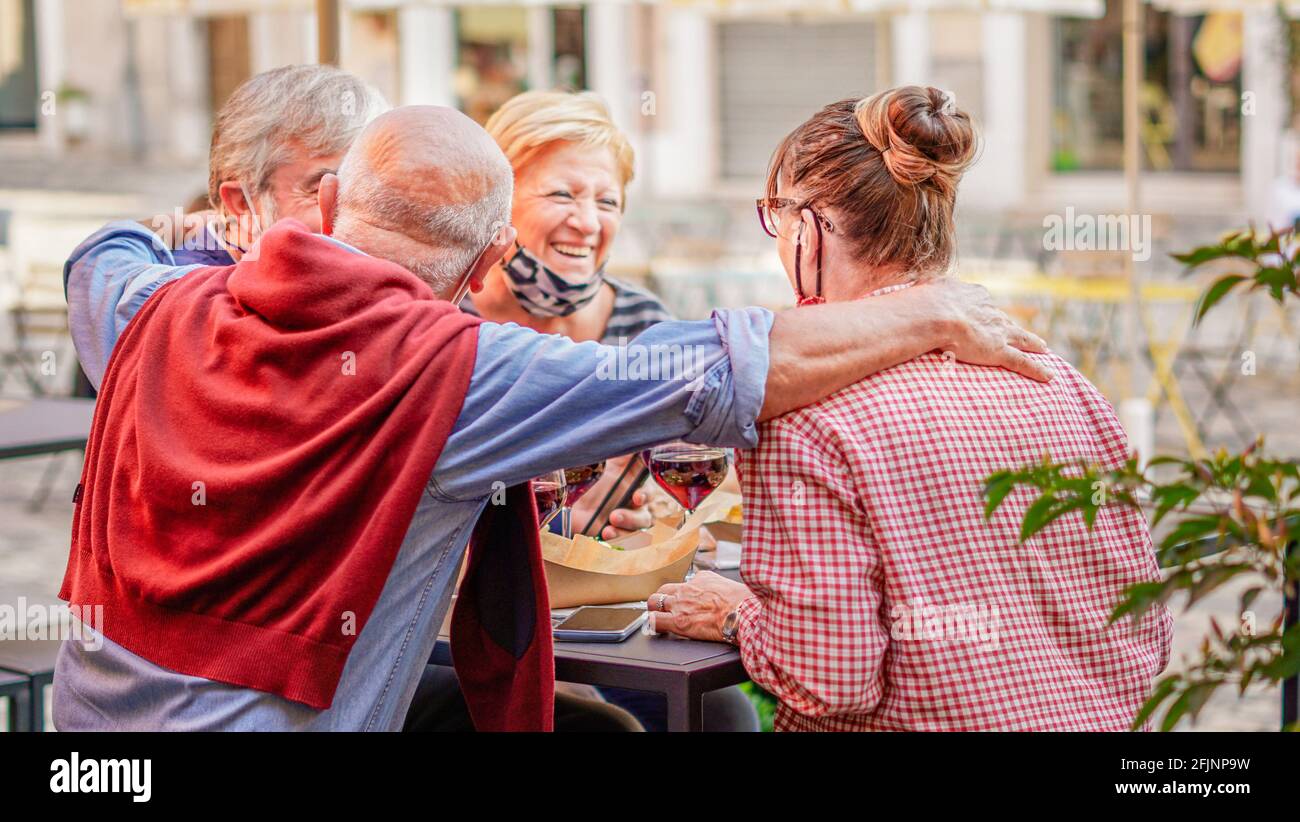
[{"x": 920, "y": 133}]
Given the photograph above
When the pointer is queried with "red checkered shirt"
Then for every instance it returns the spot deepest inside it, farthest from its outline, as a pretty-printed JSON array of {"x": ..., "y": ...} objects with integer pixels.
[{"x": 884, "y": 599}]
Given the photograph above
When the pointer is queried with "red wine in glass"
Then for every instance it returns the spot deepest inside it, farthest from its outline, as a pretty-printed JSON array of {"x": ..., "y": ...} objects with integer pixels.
[
  {"x": 688, "y": 473},
  {"x": 579, "y": 481},
  {"x": 549, "y": 496}
]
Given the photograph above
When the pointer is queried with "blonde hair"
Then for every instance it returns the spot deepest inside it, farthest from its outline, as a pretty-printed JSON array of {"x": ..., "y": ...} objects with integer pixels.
[
  {"x": 530, "y": 121},
  {"x": 890, "y": 165}
]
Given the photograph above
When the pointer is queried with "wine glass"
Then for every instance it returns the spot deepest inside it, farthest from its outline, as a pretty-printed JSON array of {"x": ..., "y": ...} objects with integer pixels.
[
  {"x": 688, "y": 472},
  {"x": 548, "y": 491},
  {"x": 577, "y": 481}
]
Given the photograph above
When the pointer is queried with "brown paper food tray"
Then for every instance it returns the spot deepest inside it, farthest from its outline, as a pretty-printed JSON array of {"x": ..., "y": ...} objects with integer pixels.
[{"x": 584, "y": 571}]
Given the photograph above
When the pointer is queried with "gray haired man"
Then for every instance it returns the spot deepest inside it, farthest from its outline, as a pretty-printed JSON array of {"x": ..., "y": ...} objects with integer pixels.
[{"x": 275, "y": 138}]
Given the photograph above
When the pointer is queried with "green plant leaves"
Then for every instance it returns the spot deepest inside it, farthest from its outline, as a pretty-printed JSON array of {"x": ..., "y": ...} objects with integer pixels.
[
  {"x": 1215, "y": 293},
  {"x": 1189, "y": 702},
  {"x": 1271, "y": 256},
  {"x": 996, "y": 489},
  {"x": 1163, "y": 690}
]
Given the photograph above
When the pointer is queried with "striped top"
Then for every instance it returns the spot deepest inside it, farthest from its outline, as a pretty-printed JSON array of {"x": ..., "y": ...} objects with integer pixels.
[{"x": 635, "y": 310}]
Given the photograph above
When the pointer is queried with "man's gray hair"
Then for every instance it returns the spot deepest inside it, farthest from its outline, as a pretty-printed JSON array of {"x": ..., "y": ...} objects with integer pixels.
[
  {"x": 455, "y": 233},
  {"x": 320, "y": 108}
]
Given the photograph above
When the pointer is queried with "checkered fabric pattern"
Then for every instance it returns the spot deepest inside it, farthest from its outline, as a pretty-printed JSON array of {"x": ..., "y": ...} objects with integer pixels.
[{"x": 885, "y": 601}]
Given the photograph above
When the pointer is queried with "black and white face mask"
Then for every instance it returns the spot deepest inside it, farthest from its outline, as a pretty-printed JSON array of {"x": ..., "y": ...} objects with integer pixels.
[{"x": 542, "y": 292}]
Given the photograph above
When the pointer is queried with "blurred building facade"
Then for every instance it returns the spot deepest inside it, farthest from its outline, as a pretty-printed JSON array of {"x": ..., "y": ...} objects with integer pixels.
[
  {"x": 707, "y": 89},
  {"x": 106, "y": 109}
]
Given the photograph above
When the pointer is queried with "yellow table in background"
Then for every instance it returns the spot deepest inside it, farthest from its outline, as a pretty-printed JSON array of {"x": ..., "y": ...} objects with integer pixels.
[{"x": 1062, "y": 291}]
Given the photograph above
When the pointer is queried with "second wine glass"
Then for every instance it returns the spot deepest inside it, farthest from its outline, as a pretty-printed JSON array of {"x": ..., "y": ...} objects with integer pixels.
[
  {"x": 688, "y": 472},
  {"x": 548, "y": 491},
  {"x": 577, "y": 481}
]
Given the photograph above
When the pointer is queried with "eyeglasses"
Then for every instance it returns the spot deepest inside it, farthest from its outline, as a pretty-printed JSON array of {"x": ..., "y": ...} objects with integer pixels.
[{"x": 769, "y": 209}]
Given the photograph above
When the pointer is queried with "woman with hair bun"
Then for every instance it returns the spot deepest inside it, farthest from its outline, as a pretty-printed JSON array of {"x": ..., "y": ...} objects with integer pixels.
[{"x": 876, "y": 595}]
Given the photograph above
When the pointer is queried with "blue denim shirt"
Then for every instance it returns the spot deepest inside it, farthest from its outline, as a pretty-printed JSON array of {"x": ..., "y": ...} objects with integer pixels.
[{"x": 536, "y": 403}]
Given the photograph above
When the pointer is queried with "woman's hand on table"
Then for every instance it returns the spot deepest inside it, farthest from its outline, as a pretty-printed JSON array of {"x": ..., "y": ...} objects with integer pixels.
[{"x": 697, "y": 608}]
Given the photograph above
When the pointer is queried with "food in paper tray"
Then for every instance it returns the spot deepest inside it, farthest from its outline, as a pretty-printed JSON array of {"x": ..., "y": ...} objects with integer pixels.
[{"x": 585, "y": 571}]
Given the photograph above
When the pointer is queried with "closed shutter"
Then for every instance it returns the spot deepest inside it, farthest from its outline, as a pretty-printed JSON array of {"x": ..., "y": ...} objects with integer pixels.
[{"x": 775, "y": 75}]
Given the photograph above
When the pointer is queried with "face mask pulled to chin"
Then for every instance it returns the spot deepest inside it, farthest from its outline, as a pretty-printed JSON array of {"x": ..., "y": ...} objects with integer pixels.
[{"x": 544, "y": 293}]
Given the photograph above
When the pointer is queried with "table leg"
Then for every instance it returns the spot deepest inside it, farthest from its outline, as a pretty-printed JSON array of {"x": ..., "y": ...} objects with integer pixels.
[
  {"x": 1162, "y": 355},
  {"x": 20, "y": 715},
  {"x": 685, "y": 708},
  {"x": 37, "y": 698}
]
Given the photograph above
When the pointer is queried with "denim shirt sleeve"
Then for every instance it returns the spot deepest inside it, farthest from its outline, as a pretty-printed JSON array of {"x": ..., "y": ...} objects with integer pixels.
[
  {"x": 106, "y": 281},
  {"x": 541, "y": 402}
]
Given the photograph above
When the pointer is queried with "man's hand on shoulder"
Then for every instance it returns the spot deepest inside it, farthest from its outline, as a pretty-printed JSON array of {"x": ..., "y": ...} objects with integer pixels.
[{"x": 974, "y": 330}]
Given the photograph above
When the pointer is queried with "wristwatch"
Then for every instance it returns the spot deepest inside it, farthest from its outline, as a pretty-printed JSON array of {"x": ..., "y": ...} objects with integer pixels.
[{"x": 731, "y": 626}]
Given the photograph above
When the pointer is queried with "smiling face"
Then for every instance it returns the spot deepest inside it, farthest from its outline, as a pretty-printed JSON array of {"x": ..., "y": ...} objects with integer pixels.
[{"x": 568, "y": 207}]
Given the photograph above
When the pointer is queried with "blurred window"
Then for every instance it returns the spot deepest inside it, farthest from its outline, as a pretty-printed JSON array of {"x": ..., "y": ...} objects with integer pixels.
[
  {"x": 775, "y": 75},
  {"x": 492, "y": 43},
  {"x": 1190, "y": 99},
  {"x": 228, "y": 57},
  {"x": 570, "y": 48},
  {"x": 957, "y": 59},
  {"x": 18, "y": 92},
  {"x": 492, "y": 46},
  {"x": 1293, "y": 71},
  {"x": 372, "y": 51}
]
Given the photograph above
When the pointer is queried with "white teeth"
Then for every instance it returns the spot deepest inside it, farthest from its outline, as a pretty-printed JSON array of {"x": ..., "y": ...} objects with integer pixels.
[{"x": 572, "y": 250}]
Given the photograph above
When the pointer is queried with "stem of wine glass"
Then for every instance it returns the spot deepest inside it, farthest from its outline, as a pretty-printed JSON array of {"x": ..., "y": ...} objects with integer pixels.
[
  {"x": 685, "y": 516},
  {"x": 566, "y": 522}
]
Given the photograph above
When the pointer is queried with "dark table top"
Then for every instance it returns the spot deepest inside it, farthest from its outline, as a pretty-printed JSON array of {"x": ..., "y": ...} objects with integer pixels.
[
  {"x": 29, "y": 657},
  {"x": 9, "y": 681},
  {"x": 662, "y": 654},
  {"x": 43, "y": 425}
]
